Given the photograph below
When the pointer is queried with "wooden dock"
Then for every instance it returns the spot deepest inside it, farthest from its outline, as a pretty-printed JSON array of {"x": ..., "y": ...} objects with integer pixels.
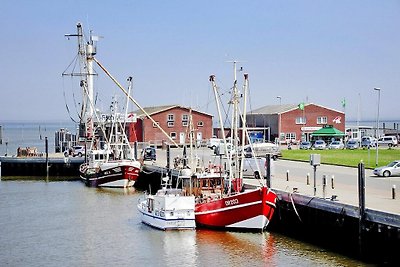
[{"x": 37, "y": 166}]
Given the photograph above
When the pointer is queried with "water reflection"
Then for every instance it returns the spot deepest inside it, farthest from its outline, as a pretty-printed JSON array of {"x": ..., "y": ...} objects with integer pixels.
[{"x": 69, "y": 224}]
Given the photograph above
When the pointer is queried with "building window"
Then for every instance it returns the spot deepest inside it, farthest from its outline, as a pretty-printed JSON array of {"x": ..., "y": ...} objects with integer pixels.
[
  {"x": 200, "y": 124},
  {"x": 185, "y": 119},
  {"x": 173, "y": 135},
  {"x": 322, "y": 120},
  {"x": 170, "y": 117},
  {"x": 290, "y": 136},
  {"x": 155, "y": 124},
  {"x": 301, "y": 120},
  {"x": 170, "y": 120}
]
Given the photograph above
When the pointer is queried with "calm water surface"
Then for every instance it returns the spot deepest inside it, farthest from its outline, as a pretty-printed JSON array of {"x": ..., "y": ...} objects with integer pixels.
[{"x": 68, "y": 224}]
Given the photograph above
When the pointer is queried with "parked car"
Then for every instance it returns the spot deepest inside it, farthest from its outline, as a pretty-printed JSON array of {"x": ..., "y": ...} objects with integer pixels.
[
  {"x": 336, "y": 145},
  {"x": 75, "y": 151},
  {"x": 392, "y": 169},
  {"x": 352, "y": 144},
  {"x": 305, "y": 145},
  {"x": 389, "y": 141},
  {"x": 319, "y": 144},
  {"x": 368, "y": 141},
  {"x": 149, "y": 153},
  {"x": 261, "y": 149}
]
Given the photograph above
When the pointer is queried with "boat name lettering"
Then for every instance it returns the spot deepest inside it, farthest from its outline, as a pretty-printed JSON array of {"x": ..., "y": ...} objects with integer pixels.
[{"x": 231, "y": 202}]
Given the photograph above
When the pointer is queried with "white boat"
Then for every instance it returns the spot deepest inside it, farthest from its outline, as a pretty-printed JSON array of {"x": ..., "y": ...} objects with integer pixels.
[{"x": 168, "y": 209}]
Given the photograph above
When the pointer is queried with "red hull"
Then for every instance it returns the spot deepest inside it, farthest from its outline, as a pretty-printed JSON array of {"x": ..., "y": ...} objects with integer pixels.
[{"x": 250, "y": 210}]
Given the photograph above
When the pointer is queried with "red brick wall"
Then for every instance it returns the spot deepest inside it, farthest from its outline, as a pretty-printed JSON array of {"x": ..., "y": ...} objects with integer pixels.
[
  {"x": 311, "y": 113},
  {"x": 154, "y": 134}
]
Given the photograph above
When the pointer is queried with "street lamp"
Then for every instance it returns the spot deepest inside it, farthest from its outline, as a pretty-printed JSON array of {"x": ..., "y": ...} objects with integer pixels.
[
  {"x": 377, "y": 124},
  {"x": 280, "y": 99},
  {"x": 279, "y": 123}
]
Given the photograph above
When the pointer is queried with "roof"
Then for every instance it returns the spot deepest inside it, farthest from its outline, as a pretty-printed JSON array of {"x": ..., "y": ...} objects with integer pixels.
[
  {"x": 157, "y": 109},
  {"x": 279, "y": 109},
  {"x": 274, "y": 109},
  {"x": 328, "y": 130}
]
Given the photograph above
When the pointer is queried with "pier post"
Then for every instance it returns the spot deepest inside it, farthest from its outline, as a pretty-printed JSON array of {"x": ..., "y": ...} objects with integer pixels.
[
  {"x": 135, "y": 146},
  {"x": 168, "y": 156},
  {"x": 268, "y": 178},
  {"x": 361, "y": 204},
  {"x": 287, "y": 175},
  {"x": 308, "y": 178},
  {"x": 323, "y": 186},
  {"x": 333, "y": 181},
  {"x": 394, "y": 191},
  {"x": 46, "y": 145},
  {"x": 315, "y": 180}
]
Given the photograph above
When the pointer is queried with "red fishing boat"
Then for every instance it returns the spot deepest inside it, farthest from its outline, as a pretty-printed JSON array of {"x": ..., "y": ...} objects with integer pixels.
[{"x": 221, "y": 200}]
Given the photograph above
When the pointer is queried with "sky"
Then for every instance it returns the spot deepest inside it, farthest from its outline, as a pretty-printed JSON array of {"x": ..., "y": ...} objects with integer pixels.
[{"x": 303, "y": 51}]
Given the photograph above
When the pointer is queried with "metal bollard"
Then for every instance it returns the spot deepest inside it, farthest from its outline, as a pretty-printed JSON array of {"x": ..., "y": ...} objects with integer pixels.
[
  {"x": 323, "y": 185},
  {"x": 333, "y": 181},
  {"x": 287, "y": 175},
  {"x": 308, "y": 178},
  {"x": 394, "y": 191}
]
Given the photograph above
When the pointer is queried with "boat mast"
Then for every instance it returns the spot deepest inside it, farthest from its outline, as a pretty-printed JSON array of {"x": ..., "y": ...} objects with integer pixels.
[
  {"x": 243, "y": 117},
  {"x": 215, "y": 89},
  {"x": 235, "y": 121},
  {"x": 90, "y": 52},
  {"x": 86, "y": 52}
]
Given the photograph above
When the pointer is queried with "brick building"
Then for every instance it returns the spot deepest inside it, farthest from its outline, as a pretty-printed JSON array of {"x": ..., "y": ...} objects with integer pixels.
[
  {"x": 292, "y": 122},
  {"x": 173, "y": 119}
]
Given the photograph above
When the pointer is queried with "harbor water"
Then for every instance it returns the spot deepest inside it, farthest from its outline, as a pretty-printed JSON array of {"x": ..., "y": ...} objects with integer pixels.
[
  {"x": 30, "y": 134},
  {"x": 61, "y": 223},
  {"x": 64, "y": 223}
]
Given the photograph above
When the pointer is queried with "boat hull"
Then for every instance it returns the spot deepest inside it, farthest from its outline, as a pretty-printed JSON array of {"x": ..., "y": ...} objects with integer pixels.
[
  {"x": 250, "y": 210},
  {"x": 119, "y": 175},
  {"x": 163, "y": 223}
]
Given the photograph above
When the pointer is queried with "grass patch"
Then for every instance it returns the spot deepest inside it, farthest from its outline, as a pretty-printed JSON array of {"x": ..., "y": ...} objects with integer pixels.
[{"x": 346, "y": 157}]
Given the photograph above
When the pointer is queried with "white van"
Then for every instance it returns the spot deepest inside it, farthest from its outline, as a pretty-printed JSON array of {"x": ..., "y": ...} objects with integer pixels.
[
  {"x": 389, "y": 141},
  {"x": 214, "y": 142},
  {"x": 261, "y": 149},
  {"x": 250, "y": 168}
]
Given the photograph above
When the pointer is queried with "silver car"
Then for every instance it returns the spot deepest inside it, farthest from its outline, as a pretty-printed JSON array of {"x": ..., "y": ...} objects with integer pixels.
[
  {"x": 336, "y": 145},
  {"x": 305, "y": 145},
  {"x": 319, "y": 144},
  {"x": 392, "y": 169},
  {"x": 352, "y": 144}
]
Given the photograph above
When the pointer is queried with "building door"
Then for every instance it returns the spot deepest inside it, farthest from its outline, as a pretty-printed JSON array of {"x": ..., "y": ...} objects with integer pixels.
[
  {"x": 182, "y": 137},
  {"x": 199, "y": 138}
]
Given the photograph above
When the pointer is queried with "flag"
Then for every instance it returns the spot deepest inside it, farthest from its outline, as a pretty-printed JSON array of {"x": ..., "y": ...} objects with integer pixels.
[
  {"x": 343, "y": 102},
  {"x": 301, "y": 106}
]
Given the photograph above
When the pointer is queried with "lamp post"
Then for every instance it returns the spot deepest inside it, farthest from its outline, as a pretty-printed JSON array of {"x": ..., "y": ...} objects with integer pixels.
[
  {"x": 279, "y": 126},
  {"x": 377, "y": 124}
]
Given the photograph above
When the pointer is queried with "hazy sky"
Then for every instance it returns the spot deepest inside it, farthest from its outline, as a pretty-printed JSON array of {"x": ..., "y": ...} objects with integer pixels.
[{"x": 315, "y": 51}]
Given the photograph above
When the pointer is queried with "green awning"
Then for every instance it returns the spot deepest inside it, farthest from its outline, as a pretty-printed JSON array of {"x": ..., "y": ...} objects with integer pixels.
[{"x": 328, "y": 130}]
